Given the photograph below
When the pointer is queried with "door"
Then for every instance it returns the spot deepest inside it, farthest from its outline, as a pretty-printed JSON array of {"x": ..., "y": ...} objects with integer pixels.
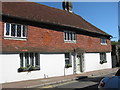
[{"x": 79, "y": 63}]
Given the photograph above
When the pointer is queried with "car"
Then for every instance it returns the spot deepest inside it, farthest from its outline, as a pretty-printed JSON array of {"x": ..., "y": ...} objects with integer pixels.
[{"x": 111, "y": 82}]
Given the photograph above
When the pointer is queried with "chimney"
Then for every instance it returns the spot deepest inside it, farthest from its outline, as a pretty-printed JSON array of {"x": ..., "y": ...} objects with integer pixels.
[{"x": 67, "y": 5}]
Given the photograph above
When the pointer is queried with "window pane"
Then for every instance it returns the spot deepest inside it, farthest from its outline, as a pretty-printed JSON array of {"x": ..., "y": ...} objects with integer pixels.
[
  {"x": 24, "y": 31},
  {"x": 67, "y": 58},
  {"x": 100, "y": 56},
  {"x": 19, "y": 30},
  {"x": 65, "y": 35},
  {"x": 103, "y": 56},
  {"x": 103, "y": 41},
  {"x": 71, "y": 36},
  {"x": 7, "y": 29},
  {"x": 67, "y": 62},
  {"x": 12, "y": 29},
  {"x": 27, "y": 59},
  {"x": 74, "y": 36},
  {"x": 36, "y": 59},
  {"x": 66, "y": 55},
  {"x": 21, "y": 60},
  {"x": 32, "y": 59}
]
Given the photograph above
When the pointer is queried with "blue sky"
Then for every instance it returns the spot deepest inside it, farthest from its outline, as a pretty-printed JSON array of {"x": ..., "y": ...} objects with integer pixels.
[{"x": 103, "y": 15}]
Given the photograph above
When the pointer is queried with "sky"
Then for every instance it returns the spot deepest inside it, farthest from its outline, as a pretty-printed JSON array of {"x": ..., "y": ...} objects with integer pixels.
[
  {"x": 119, "y": 18},
  {"x": 103, "y": 15}
]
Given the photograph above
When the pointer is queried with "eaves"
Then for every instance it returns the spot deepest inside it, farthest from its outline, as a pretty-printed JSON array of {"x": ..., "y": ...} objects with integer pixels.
[{"x": 48, "y": 24}]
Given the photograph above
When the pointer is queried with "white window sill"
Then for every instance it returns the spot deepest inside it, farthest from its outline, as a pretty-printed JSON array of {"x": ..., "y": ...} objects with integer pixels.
[
  {"x": 103, "y": 43},
  {"x": 15, "y": 38},
  {"x": 66, "y": 41}
]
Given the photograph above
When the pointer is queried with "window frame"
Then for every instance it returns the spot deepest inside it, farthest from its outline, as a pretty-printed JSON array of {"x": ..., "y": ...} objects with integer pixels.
[
  {"x": 67, "y": 65},
  {"x": 103, "y": 41},
  {"x": 28, "y": 60},
  {"x": 70, "y": 37},
  {"x": 16, "y": 37},
  {"x": 103, "y": 57}
]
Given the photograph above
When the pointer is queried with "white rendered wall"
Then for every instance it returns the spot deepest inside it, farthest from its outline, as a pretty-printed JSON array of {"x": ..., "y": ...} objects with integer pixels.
[
  {"x": 50, "y": 65},
  {"x": 92, "y": 62},
  {"x": 0, "y": 68}
]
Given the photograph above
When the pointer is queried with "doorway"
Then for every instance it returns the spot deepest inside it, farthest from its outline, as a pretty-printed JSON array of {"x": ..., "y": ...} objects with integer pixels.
[{"x": 80, "y": 63}]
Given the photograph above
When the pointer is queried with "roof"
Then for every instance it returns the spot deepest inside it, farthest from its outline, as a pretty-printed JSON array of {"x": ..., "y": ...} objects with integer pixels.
[{"x": 41, "y": 13}]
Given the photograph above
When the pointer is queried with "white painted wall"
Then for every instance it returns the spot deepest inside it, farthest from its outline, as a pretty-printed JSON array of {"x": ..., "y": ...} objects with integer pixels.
[
  {"x": 92, "y": 62},
  {"x": 50, "y": 65},
  {"x": 0, "y": 68}
]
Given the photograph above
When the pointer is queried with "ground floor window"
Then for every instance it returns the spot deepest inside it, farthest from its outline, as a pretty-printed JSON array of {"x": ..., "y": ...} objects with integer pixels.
[
  {"x": 68, "y": 62},
  {"x": 103, "y": 58},
  {"x": 29, "y": 61}
]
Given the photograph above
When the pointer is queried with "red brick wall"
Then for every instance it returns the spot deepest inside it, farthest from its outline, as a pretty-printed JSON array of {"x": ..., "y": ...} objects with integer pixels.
[{"x": 44, "y": 40}]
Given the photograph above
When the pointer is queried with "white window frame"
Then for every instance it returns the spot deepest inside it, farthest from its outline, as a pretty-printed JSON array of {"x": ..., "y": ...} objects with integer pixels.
[
  {"x": 103, "y": 41},
  {"x": 69, "y": 37},
  {"x": 23, "y": 61},
  {"x": 68, "y": 58},
  {"x": 15, "y": 37}
]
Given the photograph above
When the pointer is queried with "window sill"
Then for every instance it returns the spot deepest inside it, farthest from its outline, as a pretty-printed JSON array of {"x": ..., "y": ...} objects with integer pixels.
[
  {"x": 15, "y": 38},
  {"x": 103, "y": 43},
  {"x": 28, "y": 70},
  {"x": 101, "y": 62},
  {"x": 70, "y": 41},
  {"x": 68, "y": 65}
]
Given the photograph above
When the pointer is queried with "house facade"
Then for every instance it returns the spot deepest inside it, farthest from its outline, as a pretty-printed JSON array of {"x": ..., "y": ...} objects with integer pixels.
[{"x": 38, "y": 41}]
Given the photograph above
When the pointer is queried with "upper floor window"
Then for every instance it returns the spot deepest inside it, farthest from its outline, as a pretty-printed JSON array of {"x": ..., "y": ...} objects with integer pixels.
[
  {"x": 103, "y": 41},
  {"x": 15, "y": 31},
  {"x": 69, "y": 36}
]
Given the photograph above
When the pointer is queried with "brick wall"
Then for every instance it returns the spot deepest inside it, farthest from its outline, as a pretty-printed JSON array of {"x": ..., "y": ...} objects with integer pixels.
[{"x": 45, "y": 40}]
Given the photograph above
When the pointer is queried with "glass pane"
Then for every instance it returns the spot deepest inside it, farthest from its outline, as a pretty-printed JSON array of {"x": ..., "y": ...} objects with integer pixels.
[
  {"x": 32, "y": 59},
  {"x": 100, "y": 56},
  {"x": 36, "y": 59},
  {"x": 19, "y": 30},
  {"x": 21, "y": 60},
  {"x": 67, "y": 62},
  {"x": 66, "y": 55},
  {"x": 74, "y": 36},
  {"x": 24, "y": 31},
  {"x": 65, "y": 35},
  {"x": 104, "y": 56},
  {"x": 71, "y": 36},
  {"x": 103, "y": 40},
  {"x": 12, "y": 29},
  {"x": 27, "y": 59},
  {"x": 7, "y": 29}
]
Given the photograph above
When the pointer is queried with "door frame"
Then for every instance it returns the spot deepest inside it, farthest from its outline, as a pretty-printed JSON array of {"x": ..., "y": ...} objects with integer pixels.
[{"x": 81, "y": 61}]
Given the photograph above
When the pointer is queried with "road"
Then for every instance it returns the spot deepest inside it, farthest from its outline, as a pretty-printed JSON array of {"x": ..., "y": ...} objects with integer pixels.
[{"x": 90, "y": 82}]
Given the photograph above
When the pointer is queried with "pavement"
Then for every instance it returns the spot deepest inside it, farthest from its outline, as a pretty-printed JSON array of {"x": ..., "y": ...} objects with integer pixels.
[{"x": 57, "y": 80}]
